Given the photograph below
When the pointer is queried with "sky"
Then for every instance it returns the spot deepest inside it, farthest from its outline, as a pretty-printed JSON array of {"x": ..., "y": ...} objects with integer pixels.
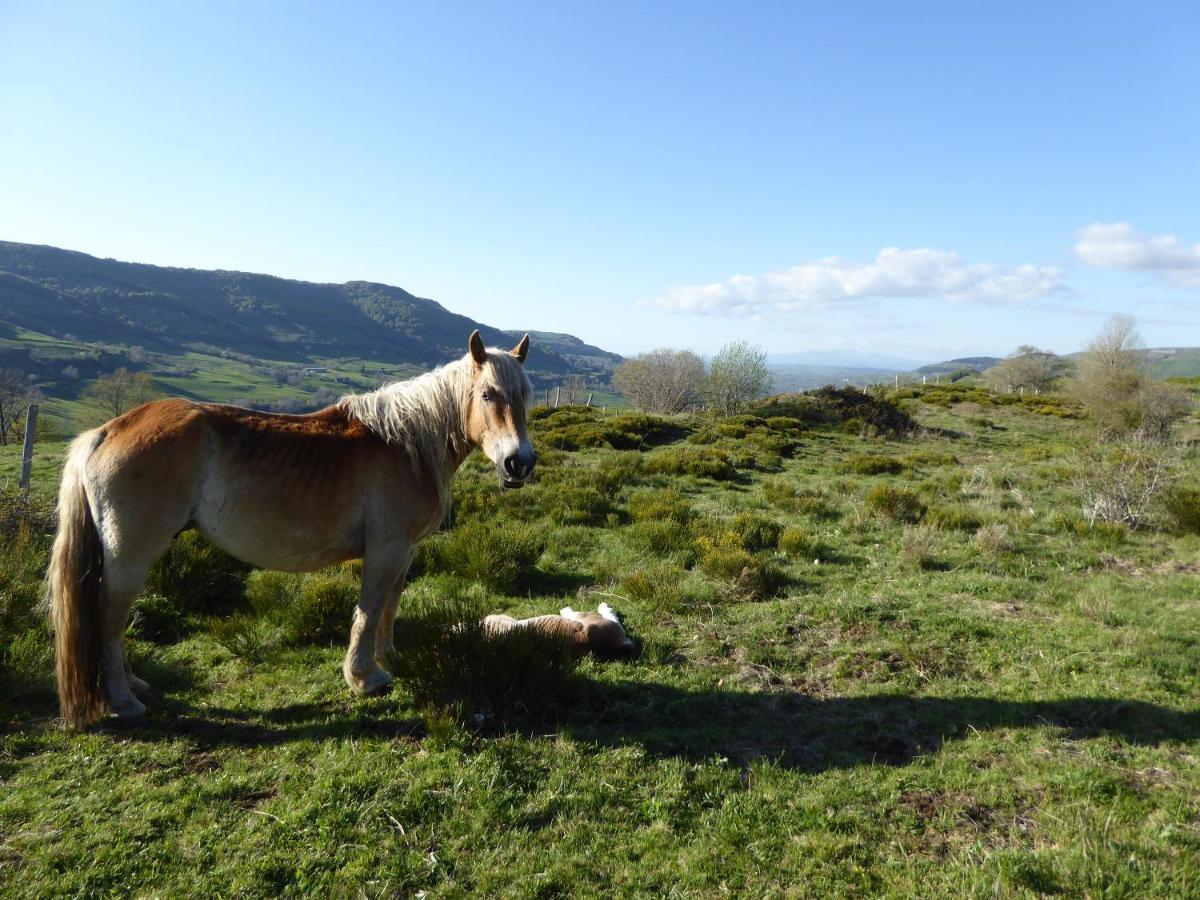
[{"x": 923, "y": 180}]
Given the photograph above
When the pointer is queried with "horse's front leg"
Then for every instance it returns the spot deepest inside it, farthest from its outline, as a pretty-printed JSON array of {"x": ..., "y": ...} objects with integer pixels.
[
  {"x": 380, "y": 578},
  {"x": 385, "y": 640}
]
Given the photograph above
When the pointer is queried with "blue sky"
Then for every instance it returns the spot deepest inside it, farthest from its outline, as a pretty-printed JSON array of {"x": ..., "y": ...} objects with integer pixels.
[{"x": 921, "y": 179}]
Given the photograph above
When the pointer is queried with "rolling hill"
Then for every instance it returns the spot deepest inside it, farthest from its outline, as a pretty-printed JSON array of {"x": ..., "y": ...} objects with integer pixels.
[
  {"x": 75, "y": 297},
  {"x": 254, "y": 340}
]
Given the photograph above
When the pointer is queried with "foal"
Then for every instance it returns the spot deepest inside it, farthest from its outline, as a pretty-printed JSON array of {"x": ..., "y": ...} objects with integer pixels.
[{"x": 368, "y": 477}]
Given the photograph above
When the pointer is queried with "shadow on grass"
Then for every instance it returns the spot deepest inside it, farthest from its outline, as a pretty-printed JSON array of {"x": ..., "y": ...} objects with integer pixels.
[{"x": 795, "y": 730}]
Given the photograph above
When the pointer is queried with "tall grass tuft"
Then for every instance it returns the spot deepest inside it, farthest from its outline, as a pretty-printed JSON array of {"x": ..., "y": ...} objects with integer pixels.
[
  {"x": 446, "y": 660},
  {"x": 499, "y": 554}
]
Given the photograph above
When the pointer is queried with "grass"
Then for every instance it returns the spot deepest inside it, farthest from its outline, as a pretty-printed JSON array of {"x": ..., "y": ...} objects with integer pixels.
[{"x": 959, "y": 688}]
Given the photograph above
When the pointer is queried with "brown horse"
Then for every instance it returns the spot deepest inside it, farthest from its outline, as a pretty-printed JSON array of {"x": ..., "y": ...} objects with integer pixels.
[{"x": 368, "y": 477}]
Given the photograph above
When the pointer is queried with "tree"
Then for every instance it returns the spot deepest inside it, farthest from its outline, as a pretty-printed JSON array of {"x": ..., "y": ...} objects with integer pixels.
[
  {"x": 738, "y": 374},
  {"x": 1116, "y": 391},
  {"x": 122, "y": 390},
  {"x": 1027, "y": 367},
  {"x": 661, "y": 381},
  {"x": 15, "y": 396}
]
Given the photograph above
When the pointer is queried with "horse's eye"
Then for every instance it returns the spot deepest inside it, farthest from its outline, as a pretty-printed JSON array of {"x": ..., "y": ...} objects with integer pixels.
[{"x": 487, "y": 396}]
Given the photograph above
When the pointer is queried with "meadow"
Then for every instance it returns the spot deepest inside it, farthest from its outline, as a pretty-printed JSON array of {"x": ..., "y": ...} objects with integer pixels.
[{"x": 883, "y": 653}]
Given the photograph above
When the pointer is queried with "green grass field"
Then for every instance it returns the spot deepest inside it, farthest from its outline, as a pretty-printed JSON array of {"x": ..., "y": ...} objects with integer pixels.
[{"x": 871, "y": 666}]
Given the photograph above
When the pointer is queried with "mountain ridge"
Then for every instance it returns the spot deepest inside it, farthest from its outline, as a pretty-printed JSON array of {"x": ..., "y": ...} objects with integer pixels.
[{"x": 68, "y": 294}]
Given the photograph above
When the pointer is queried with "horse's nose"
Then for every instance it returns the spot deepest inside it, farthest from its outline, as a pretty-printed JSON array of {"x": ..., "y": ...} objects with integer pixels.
[{"x": 520, "y": 465}]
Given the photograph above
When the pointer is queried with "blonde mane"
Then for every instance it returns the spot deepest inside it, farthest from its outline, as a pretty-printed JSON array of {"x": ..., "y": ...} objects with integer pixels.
[{"x": 427, "y": 414}]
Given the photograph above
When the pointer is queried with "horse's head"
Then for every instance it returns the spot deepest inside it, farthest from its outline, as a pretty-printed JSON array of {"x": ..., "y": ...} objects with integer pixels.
[{"x": 500, "y": 395}]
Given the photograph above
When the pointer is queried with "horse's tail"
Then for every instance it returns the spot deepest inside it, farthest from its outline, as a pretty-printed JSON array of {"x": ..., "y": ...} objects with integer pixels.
[{"x": 73, "y": 592}]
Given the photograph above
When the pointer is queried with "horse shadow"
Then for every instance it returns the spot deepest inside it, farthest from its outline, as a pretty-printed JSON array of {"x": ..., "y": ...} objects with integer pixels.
[{"x": 793, "y": 730}]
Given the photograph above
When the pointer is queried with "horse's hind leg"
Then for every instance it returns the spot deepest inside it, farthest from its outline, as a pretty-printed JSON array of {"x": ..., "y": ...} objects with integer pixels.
[{"x": 122, "y": 583}]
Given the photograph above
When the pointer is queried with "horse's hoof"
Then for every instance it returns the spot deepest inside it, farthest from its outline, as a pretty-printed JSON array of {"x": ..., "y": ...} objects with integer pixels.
[
  {"x": 374, "y": 685},
  {"x": 130, "y": 712}
]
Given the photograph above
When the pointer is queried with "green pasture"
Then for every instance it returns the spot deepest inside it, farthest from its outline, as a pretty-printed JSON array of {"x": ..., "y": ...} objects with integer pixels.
[{"x": 874, "y": 662}]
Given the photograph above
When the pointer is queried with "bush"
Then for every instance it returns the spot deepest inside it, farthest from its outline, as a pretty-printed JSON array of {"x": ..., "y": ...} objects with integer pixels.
[
  {"x": 896, "y": 503},
  {"x": 791, "y": 497},
  {"x": 574, "y": 505},
  {"x": 660, "y": 538},
  {"x": 918, "y": 544},
  {"x": 955, "y": 516},
  {"x": 1183, "y": 506},
  {"x": 926, "y": 457},
  {"x": 794, "y": 541},
  {"x": 1119, "y": 484},
  {"x": 26, "y": 656},
  {"x": 659, "y": 586},
  {"x": 756, "y": 532},
  {"x": 699, "y": 462},
  {"x": 197, "y": 577},
  {"x": 633, "y": 431},
  {"x": 444, "y": 657},
  {"x": 833, "y": 407},
  {"x": 872, "y": 464},
  {"x": 754, "y": 576},
  {"x": 498, "y": 554},
  {"x": 659, "y": 505},
  {"x": 993, "y": 539}
]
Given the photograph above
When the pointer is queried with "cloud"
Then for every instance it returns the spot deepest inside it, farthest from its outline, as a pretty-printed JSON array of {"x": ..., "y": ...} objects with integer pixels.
[
  {"x": 922, "y": 272},
  {"x": 1118, "y": 245}
]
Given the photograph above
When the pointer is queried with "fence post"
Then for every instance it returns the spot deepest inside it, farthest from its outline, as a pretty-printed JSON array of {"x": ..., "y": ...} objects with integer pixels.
[
  {"x": 27, "y": 454},
  {"x": 557, "y": 394},
  {"x": 589, "y": 403}
]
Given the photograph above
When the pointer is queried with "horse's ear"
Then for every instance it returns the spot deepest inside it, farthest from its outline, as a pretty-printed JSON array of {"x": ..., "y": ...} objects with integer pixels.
[
  {"x": 478, "y": 353},
  {"x": 521, "y": 350}
]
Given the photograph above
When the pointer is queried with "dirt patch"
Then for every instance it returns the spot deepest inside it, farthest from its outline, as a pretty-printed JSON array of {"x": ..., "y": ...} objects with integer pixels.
[{"x": 203, "y": 763}]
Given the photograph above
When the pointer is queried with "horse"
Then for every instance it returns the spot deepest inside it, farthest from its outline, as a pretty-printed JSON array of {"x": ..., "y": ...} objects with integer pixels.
[{"x": 365, "y": 478}]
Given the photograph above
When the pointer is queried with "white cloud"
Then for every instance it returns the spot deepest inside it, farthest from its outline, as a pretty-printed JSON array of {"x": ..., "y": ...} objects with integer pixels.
[
  {"x": 1118, "y": 245},
  {"x": 923, "y": 272}
]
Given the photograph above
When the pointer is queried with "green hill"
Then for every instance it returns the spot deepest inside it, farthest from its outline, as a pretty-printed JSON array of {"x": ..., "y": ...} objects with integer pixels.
[{"x": 66, "y": 317}]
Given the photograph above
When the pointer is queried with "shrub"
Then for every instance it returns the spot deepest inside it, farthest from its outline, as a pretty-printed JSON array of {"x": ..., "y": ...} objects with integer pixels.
[
  {"x": 918, "y": 544},
  {"x": 791, "y": 497},
  {"x": 794, "y": 541},
  {"x": 659, "y": 504},
  {"x": 616, "y": 471},
  {"x": 160, "y": 620},
  {"x": 444, "y": 657},
  {"x": 197, "y": 577},
  {"x": 993, "y": 539},
  {"x": 26, "y": 658},
  {"x": 574, "y": 505},
  {"x": 872, "y": 464},
  {"x": 752, "y": 575},
  {"x": 955, "y": 516},
  {"x": 636, "y": 430},
  {"x": 700, "y": 462},
  {"x": 896, "y": 503},
  {"x": 927, "y": 457},
  {"x": 659, "y": 586},
  {"x": 498, "y": 554},
  {"x": 1120, "y": 484},
  {"x": 722, "y": 554},
  {"x": 661, "y": 538},
  {"x": 1183, "y": 506},
  {"x": 833, "y": 407},
  {"x": 756, "y": 532}
]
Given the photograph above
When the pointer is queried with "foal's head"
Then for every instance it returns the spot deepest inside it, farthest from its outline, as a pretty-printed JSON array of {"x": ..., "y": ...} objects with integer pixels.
[{"x": 500, "y": 394}]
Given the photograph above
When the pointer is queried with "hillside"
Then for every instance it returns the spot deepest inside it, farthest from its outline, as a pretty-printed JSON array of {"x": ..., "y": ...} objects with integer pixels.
[
  {"x": 76, "y": 297},
  {"x": 896, "y": 665}
]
